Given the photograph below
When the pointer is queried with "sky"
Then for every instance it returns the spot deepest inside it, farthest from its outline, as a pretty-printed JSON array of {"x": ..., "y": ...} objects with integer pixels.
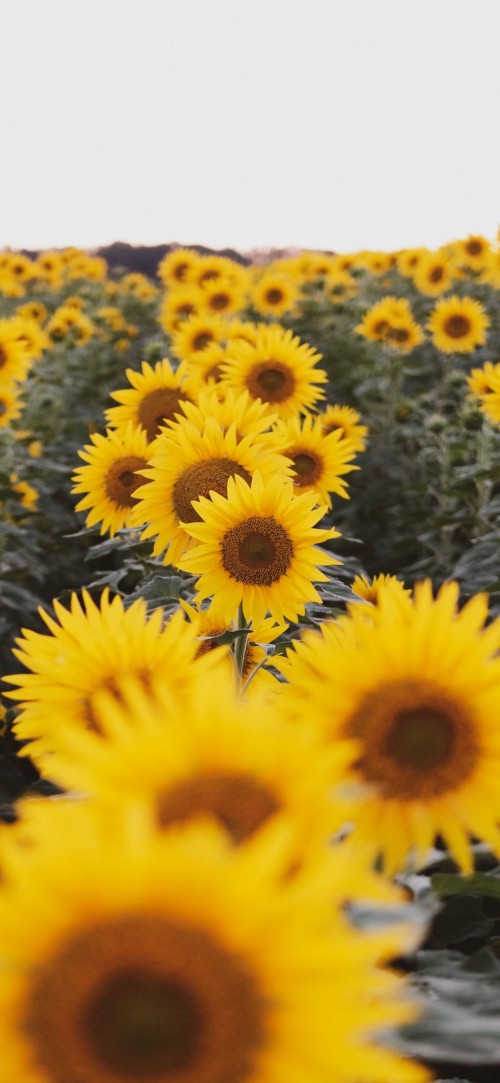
[{"x": 324, "y": 124}]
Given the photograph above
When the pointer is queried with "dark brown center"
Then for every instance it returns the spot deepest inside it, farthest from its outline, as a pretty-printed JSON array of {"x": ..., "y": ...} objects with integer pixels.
[
  {"x": 238, "y": 801},
  {"x": 257, "y": 551},
  {"x": 457, "y": 326},
  {"x": 122, "y": 479},
  {"x": 200, "y": 479},
  {"x": 159, "y": 406}
]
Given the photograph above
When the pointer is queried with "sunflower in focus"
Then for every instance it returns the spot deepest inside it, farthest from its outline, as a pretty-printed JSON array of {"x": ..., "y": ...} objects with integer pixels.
[
  {"x": 274, "y": 294},
  {"x": 256, "y": 549},
  {"x": 278, "y": 368},
  {"x": 114, "y": 469},
  {"x": 127, "y": 978},
  {"x": 318, "y": 459},
  {"x": 346, "y": 420},
  {"x": 434, "y": 274},
  {"x": 458, "y": 325},
  {"x": 419, "y": 687},
  {"x": 92, "y": 647},
  {"x": 154, "y": 398},
  {"x": 484, "y": 384},
  {"x": 188, "y": 462}
]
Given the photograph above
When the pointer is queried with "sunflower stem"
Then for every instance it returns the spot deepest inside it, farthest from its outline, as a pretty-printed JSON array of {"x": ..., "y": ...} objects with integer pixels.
[{"x": 240, "y": 642}]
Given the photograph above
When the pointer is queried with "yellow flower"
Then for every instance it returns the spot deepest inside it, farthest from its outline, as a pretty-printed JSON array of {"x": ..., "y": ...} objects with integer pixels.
[
  {"x": 131, "y": 954},
  {"x": 409, "y": 260},
  {"x": 434, "y": 274},
  {"x": 186, "y": 463},
  {"x": 404, "y": 334},
  {"x": 31, "y": 335},
  {"x": 346, "y": 420},
  {"x": 380, "y": 318},
  {"x": 197, "y": 333},
  {"x": 90, "y": 648},
  {"x": 178, "y": 266},
  {"x": 278, "y": 368},
  {"x": 178, "y": 306},
  {"x": 27, "y": 494},
  {"x": 274, "y": 294},
  {"x": 155, "y": 397},
  {"x": 68, "y": 322},
  {"x": 233, "y": 760},
  {"x": 115, "y": 469},
  {"x": 484, "y": 384},
  {"x": 14, "y": 357},
  {"x": 256, "y": 548},
  {"x": 318, "y": 459},
  {"x": 419, "y": 688},
  {"x": 221, "y": 297},
  {"x": 11, "y": 404},
  {"x": 458, "y": 325}
]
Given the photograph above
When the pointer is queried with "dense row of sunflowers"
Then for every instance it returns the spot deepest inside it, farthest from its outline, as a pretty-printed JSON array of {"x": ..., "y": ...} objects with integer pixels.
[{"x": 250, "y": 753}]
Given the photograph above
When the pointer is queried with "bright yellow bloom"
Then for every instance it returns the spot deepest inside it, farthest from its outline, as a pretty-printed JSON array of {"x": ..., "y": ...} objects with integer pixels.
[
  {"x": 318, "y": 459},
  {"x": 458, "y": 325},
  {"x": 419, "y": 688},
  {"x": 189, "y": 462},
  {"x": 178, "y": 306},
  {"x": 131, "y": 954},
  {"x": 68, "y": 322},
  {"x": 11, "y": 404},
  {"x": 484, "y": 384},
  {"x": 154, "y": 398},
  {"x": 115, "y": 469},
  {"x": 434, "y": 274},
  {"x": 90, "y": 648},
  {"x": 278, "y": 368},
  {"x": 196, "y": 334},
  {"x": 177, "y": 267},
  {"x": 274, "y": 294},
  {"x": 256, "y": 548},
  {"x": 346, "y": 420}
]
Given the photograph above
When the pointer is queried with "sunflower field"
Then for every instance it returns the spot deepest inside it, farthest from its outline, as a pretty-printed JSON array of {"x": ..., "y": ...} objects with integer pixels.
[{"x": 250, "y": 660}]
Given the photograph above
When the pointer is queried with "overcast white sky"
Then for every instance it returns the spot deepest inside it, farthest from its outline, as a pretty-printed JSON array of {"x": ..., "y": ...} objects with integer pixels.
[{"x": 337, "y": 124}]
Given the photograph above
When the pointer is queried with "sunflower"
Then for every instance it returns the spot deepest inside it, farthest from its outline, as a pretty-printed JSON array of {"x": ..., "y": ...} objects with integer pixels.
[
  {"x": 434, "y": 274},
  {"x": 196, "y": 334},
  {"x": 90, "y": 648},
  {"x": 372, "y": 590},
  {"x": 346, "y": 420},
  {"x": 250, "y": 416},
  {"x": 472, "y": 253},
  {"x": 404, "y": 334},
  {"x": 236, "y": 761},
  {"x": 278, "y": 368},
  {"x": 113, "y": 971},
  {"x": 11, "y": 404},
  {"x": 33, "y": 310},
  {"x": 256, "y": 549},
  {"x": 178, "y": 306},
  {"x": 177, "y": 267},
  {"x": 222, "y": 297},
  {"x": 484, "y": 384},
  {"x": 188, "y": 463},
  {"x": 236, "y": 330},
  {"x": 155, "y": 397},
  {"x": 379, "y": 319},
  {"x": 115, "y": 469},
  {"x": 340, "y": 286},
  {"x": 318, "y": 459},
  {"x": 409, "y": 260},
  {"x": 419, "y": 688},
  {"x": 213, "y": 269},
  {"x": 458, "y": 325},
  {"x": 14, "y": 357},
  {"x": 205, "y": 367},
  {"x": 274, "y": 294},
  {"x": 137, "y": 285},
  {"x": 68, "y": 323},
  {"x": 31, "y": 335}
]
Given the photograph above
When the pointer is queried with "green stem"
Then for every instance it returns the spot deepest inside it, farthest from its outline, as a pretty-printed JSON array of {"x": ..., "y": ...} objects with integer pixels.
[{"x": 240, "y": 643}]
